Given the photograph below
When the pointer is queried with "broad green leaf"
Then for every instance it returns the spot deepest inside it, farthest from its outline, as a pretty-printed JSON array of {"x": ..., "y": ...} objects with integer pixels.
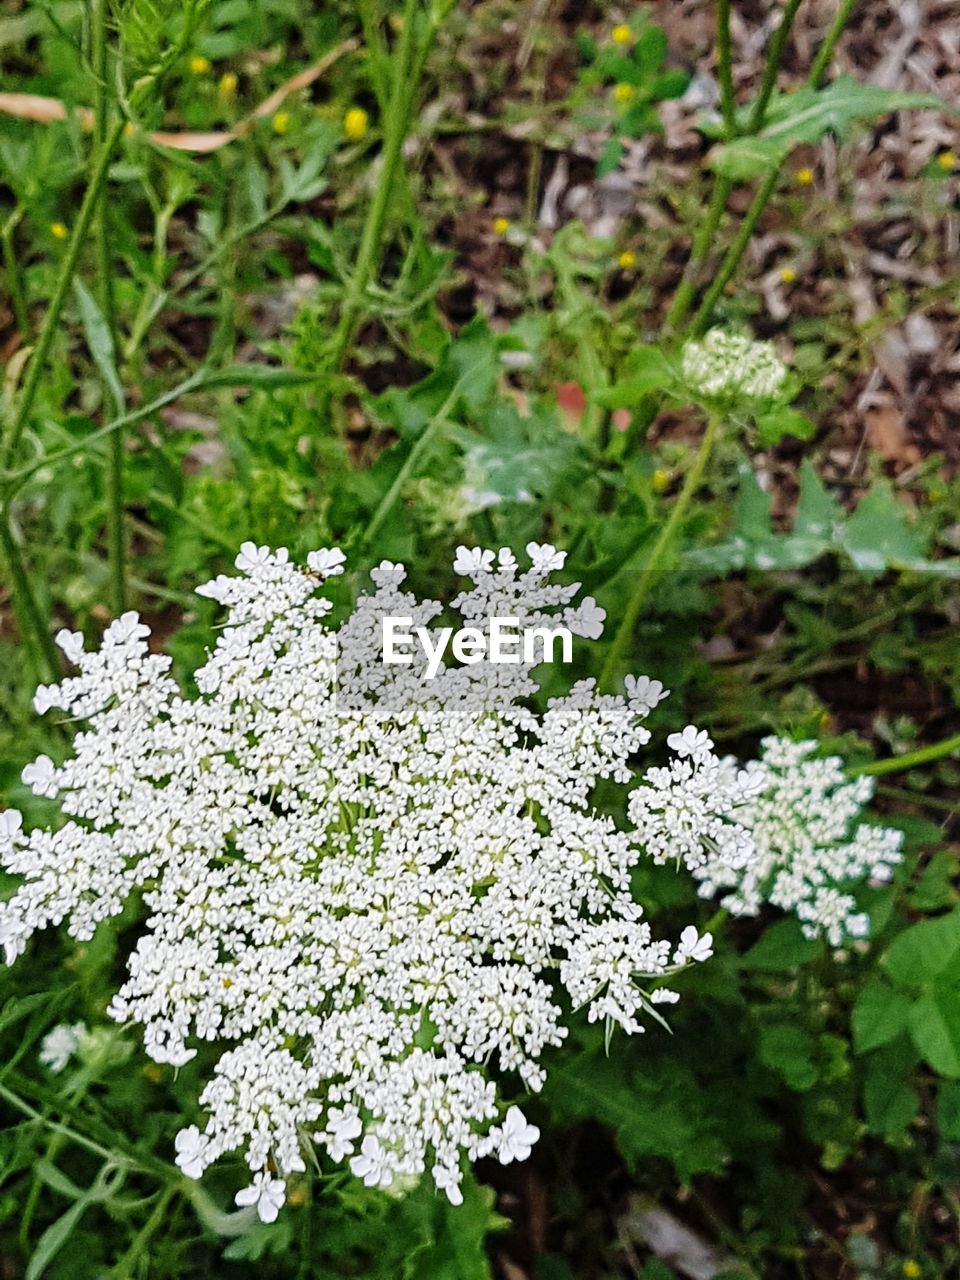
[
  {"x": 924, "y": 950},
  {"x": 782, "y": 946},
  {"x": 789, "y": 1051},
  {"x": 935, "y": 1029},
  {"x": 805, "y": 116},
  {"x": 879, "y": 533},
  {"x": 649, "y": 370},
  {"x": 890, "y": 1102},
  {"x": 879, "y": 1015},
  {"x": 100, "y": 341}
]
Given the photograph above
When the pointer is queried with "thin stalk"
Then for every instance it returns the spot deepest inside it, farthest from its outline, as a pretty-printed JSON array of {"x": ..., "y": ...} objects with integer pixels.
[
  {"x": 822, "y": 61},
  {"x": 728, "y": 106},
  {"x": 402, "y": 92},
  {"x": 30, "y": 622},
  {"x": 660, "y": 552},
  {"x": 11, "y": 436},
  {"x": 736, "y": 251},
  {"x": 124, "y": 1267},
  {"x": 733, "y": 255},
  {"x": 897, "y": 764},
  {"x": 11, "y": 270},
  {"x": 116, "y": 548},
  {"x": 772, "y": 66},
  {"x": 699, "y": 252},
  {"x": 427, "y": 436}
]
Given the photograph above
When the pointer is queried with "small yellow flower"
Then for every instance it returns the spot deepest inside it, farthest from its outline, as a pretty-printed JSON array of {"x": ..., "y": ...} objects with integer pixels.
[
  {"x": 58, "y": 231},
  {"x": 129, "y": 129},
  {"x": 623, "y": 94},
  {"x": 281, "y": 122},
  {"x": 947, "y": 160},
  {"x": 804, "y": 177},
  {"x": 501, "y": 226},
  {"x": 199, "y": 65},
  {"x": 788, "y": 275},
  {"x": 911, "y": 1269},
  {"x": 661, "y": 480},
  {"x": 627, "y": 260},
  {"x": 228, "y": 84},
  {"x": 621, "y": 34},
  {"x": 355, "y": 124}
]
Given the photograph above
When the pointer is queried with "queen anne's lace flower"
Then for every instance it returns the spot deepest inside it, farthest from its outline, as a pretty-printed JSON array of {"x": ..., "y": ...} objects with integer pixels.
[
  {"x": 369, "y": 889},
  {"x": 807, "y": 848},
  {"x": 729, "y": 366}
]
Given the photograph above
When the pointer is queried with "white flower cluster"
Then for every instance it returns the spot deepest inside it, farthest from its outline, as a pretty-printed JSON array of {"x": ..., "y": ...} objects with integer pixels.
[
  {"x": 807, "y": 848},
  {"x": 730, "y": 366},
  {"x": 372, "y": 890}
]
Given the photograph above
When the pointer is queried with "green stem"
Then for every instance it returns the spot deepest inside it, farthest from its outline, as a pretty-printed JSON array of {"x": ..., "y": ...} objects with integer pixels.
[
  {"x": 655, "y": 560},
  {"x": 402, "y": 94},
  {"x": 11, "y": 270},
  {"x": 822, "y": 61},
  {"x": 116, "y": 550},
  {"x": 897, "y": 764},
  {"x": 11, "y": 436},
  {"x": 725, "y": 68},
  {"x": 699, "y": 252},
  {"x": 427, "y": 436},
  {"x": 736, "y": 251},
  {"x": 772, "y": 66},
  {"x": 30, "y": 622},
  {"x": 124, "y": 1267}
]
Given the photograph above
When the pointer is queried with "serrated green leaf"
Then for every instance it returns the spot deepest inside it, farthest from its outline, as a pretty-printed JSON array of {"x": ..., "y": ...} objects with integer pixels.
[
  {"x": 773, "y": 426},
  {"x": 805, "y": 116}
]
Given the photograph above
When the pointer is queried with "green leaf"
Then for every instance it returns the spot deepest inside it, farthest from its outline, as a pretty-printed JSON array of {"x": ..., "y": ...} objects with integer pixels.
[
  {"x": 53, "y": 1240},
  {"x": 773, "y": 426},
  {"x": 648, "y": 370},
  {"x": 935, "y": 1029},
  {"x": 879, "y": 1015},
  {"x": 99, "y": 340},
  {"x": 789, "y": 1051},
  {"x": 879, "y": 534},
  {"x": 781, "y": 947},
  {"x": 610, "y": 157},
  {"x": 890, "y": 1102},
  {"x": 924, "y": 951},
  {"x": 260, "y": 376},
  {"x": 805, "y": 116}
]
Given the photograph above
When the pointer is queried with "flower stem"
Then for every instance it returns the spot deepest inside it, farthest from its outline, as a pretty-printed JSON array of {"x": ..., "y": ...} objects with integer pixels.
[
  {"x": 125, "y": 1267},
  {"x": 897, "y": 764},
  {"x": 14, "y": 430},
  {"x": 114, "y": 471},
  {"x": 11, "y": 271},
  {"x": 655, "y": 561},
  {"x": 402, "y": 95},
  {"x": 30, "y": 621},
  {"x": 772, "y": 66},
  {"x": 822, "y": 61},
  {"x": 725, "y": 68},
  {"x": 700, "y": 249}
]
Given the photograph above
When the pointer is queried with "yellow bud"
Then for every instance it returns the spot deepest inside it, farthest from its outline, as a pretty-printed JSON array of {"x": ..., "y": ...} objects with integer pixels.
[
  {"x": 621, "y": 34},
  {"x": 947, "y": 160},
  {"x": 153, "y": 1072},
  {"x": 627, "y": 260},
  {"x": 58, "y": 231},
  {"x": 199, "y": 65},
  {"x": 661, "y": 480},
  {"x": 355, "y": 124},
  {"x": 281, "y": 122},
  {"x": 911, "y": 1269},
  {"x": 804, "y": 177},
  {"x": 623, "y": 94},
  {"x": 501, "y": 226},
  {"x": 129, "y": 129},
  {"x": 228, "y": 84},
  {"x": 788, "y": 275},
  {"x": 297, "y": 1195}
]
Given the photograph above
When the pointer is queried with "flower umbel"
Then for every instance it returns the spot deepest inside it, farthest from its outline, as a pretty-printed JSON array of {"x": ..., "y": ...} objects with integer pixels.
[
  {"x": 372, "y": 891},
  {"x": 730, "y": 367}
]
